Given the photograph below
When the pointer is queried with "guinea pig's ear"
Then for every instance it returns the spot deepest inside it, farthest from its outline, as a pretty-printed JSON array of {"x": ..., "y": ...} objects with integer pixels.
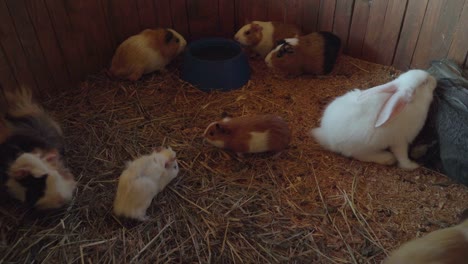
[
  {"x": 52, "y": 156},
  {"x": 256, "y": 27},
  {"x": 158, "y": 149},
  {"x": 168, "y": 163},
  {"x": 169, "y": 36}
]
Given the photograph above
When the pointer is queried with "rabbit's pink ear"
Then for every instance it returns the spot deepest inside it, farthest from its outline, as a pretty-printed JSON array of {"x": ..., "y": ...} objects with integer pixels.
[
  {"x": 384, "y": 88},
  {"x": 392, "y": 107}
]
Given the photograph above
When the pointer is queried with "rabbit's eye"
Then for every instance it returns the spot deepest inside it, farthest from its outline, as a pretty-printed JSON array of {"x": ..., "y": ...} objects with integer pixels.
[{"x": 247, "y": 32}]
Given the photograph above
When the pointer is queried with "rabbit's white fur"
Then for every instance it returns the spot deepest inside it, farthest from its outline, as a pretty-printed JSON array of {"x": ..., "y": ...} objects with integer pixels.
[
  {"x": 142, "y": 180},
  {"x": 364, "y": 125}
]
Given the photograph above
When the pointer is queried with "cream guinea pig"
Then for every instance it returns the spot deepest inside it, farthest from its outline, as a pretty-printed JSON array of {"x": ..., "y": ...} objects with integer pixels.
[
  {"x": 444, "y": 246},
  {"x": 249, "y": 134},
  {"x": 261, "y": 36},
  {"x": 149, "y": 51},
  {"x": 315, "y": 53},
  {"x": 142, "y": 180}
]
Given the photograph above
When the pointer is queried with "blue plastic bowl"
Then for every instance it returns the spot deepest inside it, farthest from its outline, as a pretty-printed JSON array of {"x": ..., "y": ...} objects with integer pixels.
[{"x": 215, "y": 64}]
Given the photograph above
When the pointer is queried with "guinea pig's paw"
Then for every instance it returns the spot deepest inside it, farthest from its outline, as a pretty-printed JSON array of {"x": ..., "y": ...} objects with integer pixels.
[{"x": 409, "y": 165}]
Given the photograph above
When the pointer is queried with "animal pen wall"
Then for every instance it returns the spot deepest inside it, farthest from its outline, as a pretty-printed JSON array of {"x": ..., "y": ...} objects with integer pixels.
[{"x": 50, "y": 45}]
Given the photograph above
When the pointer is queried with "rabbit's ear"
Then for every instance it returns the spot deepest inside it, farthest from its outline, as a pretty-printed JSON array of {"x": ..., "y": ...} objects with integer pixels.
[
  {"x": 392, "y": 107},
  {"x": 389, "y": 87}
]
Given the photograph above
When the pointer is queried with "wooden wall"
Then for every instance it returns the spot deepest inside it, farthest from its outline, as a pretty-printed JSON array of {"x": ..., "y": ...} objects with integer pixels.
[{"x": 50, "y": 45}]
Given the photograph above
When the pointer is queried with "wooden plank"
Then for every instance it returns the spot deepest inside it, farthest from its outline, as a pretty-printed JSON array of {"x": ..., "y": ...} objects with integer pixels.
[
  {"x": 13, "y": 51},
  {"x": 390, "y": 31},
  {"x": 437, "y": 31},
  {"x": 7, "y": 78},
  {"x": 276, "y": 11},
  {"x": 357, "y": 31},
  {"x": 30, "y": 45},
  {"x": 326, "y": 15},
  {"x": 226, "y": 18},
  {"x": 179, "y": 17},
  {"x": 92, "y": 36},
  {"x": 341, "y": 25},
  {"x": 163, "y": 13},
  {"x": 67, "y": 39},
  {"x": 310, "y": 14},
  {"x": 374, "y": 27},
  {"x": 122, "y": 19},
  {"x": 294, "y": 12},
  {"x": 53, "y": 54},
  {"x": 409, "y": 33},
  {"x": 202, "y": 16},
  {"x": 248, "y": 10},
  {"x": 147, "y": 13},
  {"x": 459, "y": 48}
]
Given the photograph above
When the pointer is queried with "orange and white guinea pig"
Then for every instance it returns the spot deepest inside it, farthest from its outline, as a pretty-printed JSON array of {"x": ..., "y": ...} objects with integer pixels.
[
  {"x": 149, "y": 51},
  {"x": 315, "y": 53},
  {"x": 249, "y": 134},
  {"x": 444, "y": 246},
  {"x": 261, "y": 36}
]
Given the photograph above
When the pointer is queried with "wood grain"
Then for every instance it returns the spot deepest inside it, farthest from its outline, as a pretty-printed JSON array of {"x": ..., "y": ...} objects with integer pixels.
[
  {"x": 13, "y": 51},
  {"x": 358, "y": 28},
  {"x": 436, "y": 32},
  {"x": 203, "y": 16},
  {"x": 310, "y": 14},
  {"x": 326, "y": 15},
  {"x": 459, "y": 47},
  {"x": 227, "y": 19},
  {"x": 412, "y": 23},
  {"x": 163, "y": 14},
  {"x": 179, "y": 17},
  {"x": 147, "y": 13},
  {"x": 374, "y": 29},
  {"x": 341, "y": 25},
  {"x": 7, "y": 77},
  {"x": 294, "y": 12}
]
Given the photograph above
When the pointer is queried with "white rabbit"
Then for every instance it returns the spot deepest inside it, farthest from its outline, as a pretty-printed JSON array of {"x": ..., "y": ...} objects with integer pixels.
[
  {"x": 376, "y": 125},
  {"x": 142, "y": 180}
]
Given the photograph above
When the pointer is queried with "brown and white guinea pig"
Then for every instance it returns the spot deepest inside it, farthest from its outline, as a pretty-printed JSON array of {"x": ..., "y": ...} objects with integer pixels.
[
  {"x": 444, "y": 246},
  {"x": 30, "y": 156},
  {"x": 149, "y": 51},
  {"x": 142, "y": 180},
  {"x": 40, "y": 180},
  {"x": 249, "y": 134},
  {"x": 261, "y": 36},
  {"x": 315, "y": 53}
]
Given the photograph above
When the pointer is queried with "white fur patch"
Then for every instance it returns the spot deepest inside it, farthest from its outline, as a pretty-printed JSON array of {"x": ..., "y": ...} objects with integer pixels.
[
  {"x": 268, "y": 58},
  {"x": 216, "y": 143},
  {"x": 259, "y": 141},
  {"x": 292, "y": 41},
  {"x": 182, "y": 41}
]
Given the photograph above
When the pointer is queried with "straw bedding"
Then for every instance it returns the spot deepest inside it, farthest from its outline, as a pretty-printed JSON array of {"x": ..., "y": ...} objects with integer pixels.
[{"x": 305, "y": 206}]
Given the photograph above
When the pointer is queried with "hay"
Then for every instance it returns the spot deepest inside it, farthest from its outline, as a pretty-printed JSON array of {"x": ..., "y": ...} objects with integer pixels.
[{"x": 308, "y": 205}]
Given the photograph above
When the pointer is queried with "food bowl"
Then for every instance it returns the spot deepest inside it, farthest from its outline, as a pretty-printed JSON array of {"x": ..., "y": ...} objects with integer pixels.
[{"x": 215, "y": 64}]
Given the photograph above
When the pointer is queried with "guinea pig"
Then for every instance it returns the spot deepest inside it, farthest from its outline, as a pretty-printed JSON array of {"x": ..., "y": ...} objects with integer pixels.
[
  {"x": 261, "y": 36},
  {"x": 249, "y": 134},
  {"x": 315, "y": 53},
  {"x": 448, "y": 245},
  {"x": 142, "y": 180},
  {"x": 149, "y": 51},
  {"x": 39, "y": 180},
  {"x": 34, "y": 143}
]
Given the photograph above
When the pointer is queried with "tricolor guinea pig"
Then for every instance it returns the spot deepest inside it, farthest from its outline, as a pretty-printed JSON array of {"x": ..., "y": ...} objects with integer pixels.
[
  {"x": 40, "y": 180},
  {"x": 149, "y": 51},
  {"x": 261, "y": 36},
  {"x": 315, "y": 53},
  {"x": 249, "y": 134},
  {"x": 142, "y": 180},
  {"x": 444, "y": 246}
]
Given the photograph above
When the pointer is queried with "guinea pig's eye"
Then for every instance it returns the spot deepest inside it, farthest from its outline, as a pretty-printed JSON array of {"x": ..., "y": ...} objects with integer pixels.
[
  {"x": 247, "y": 32},
  {"x": 177, "y": 40},
  {"x": 279, "y": 54},
  {"x": 175, "y": 167}
]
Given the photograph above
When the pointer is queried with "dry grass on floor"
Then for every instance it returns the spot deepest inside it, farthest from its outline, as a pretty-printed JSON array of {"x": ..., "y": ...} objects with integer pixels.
[{"x": 306, "y": 206}]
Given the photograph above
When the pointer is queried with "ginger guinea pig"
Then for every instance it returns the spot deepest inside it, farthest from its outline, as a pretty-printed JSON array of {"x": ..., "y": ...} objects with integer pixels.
[
  {"x": 315, "y": 53},
  {"x": 249, "y": 134},
  {"x": 149, "y": 51},
  {"x": 444, "y": 246},
  {"x": 261, "y": 36}
]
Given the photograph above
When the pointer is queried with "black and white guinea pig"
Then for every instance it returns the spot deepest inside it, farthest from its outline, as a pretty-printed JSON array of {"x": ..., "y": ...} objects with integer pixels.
[
  {"x": 149, "y": 51},
  {"x": 315, "y": 53},
  {"x": 261, "y": 36}
]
